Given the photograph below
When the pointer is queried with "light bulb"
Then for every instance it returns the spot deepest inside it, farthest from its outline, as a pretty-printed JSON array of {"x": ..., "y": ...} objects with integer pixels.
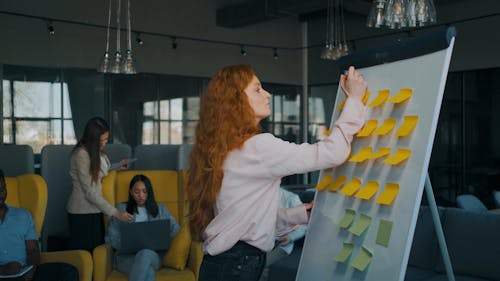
[
  {"x": 117, "y": 63},
  {"x": 128, "y": 64},
  {"x": 376, "y": 14},
  {"x": 104, "y": 65},
  {"x": 425, "y": 12}
]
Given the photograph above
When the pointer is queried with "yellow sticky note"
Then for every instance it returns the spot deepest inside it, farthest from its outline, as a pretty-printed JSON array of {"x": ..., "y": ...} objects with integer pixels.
[
  {"x": 368, "y": 128},
  {"x": 368, "y": 190},
  {"x": 364, "y": 154},
  {"x": 403, "y": 95},
  {"x": 341, "y": 105},
  {"x": 347, "y": 219},
  {"x": 383, "y": 151},
  {"x": 351, "y": 187},
  {"x": 345, "y": 252},
  {"x": 362, "y": 260},
  {"x": 381, "y": 98},
  {"x": 390, "y": 192},
  {"x": 398, "y": 157},
  {"x": 408, "y": 124},
  {"x": 324, "y": 182},
  {"x": 386, "y": 127},
  {"x": 366, "y": 97},
  {"x": 359, "y": 226},
  {"x": 337, "y": 183}
]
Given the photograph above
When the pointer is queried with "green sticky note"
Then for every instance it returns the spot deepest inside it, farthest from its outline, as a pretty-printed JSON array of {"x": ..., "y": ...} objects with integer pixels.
[
  {"x": 384, "y": 232},
  {"x": 348, "y": 218},
  {"x": 360, "y": 225},
  {"x": 362, "y": 260},
  {"x": 345, "y": 252}
]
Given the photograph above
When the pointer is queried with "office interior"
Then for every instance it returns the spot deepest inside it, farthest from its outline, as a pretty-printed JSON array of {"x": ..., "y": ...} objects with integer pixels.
[{"x": 50, "y": 52}]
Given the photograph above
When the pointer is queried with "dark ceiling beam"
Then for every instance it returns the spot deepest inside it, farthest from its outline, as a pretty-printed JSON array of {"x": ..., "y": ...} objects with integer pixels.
[{"x": 246, "y": 12}]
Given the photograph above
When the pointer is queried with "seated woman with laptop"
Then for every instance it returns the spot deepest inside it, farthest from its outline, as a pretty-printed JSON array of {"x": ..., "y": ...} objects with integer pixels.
[{"x": 141, "y": 244}]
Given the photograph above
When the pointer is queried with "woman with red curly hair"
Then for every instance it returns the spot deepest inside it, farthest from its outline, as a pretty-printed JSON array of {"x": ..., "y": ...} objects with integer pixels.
[{"x": 235, "y": 170}]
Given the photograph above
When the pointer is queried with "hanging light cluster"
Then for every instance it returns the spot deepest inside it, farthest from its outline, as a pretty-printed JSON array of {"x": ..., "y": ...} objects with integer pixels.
[
  {"x": 397, "y": 14},
  {"x": 119, "y": 64},
  {"x": 336, "y": 45}
]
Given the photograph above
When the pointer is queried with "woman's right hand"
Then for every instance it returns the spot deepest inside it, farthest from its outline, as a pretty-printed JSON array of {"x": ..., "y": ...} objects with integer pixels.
[
  {"x": 124, "y": 216},
  {"x": 353, "y": 84}
]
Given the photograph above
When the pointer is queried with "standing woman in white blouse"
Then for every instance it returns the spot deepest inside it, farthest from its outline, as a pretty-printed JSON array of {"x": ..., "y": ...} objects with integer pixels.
[
  {"x": 235, "y": 170},
  {"x": 88, "y": 165}
]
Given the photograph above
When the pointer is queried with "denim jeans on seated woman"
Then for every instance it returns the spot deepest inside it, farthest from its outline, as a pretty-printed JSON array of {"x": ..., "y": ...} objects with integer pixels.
[
  {"x": 141, "y": 266},
  {"x": 242, "y": 262}
]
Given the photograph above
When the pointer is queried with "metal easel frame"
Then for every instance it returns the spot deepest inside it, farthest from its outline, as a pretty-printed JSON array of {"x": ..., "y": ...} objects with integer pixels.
[{"x": 439, "y": 229}]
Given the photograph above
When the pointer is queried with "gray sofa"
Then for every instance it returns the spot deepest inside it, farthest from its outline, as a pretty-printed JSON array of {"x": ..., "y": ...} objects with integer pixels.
[{"x": 473, "y": 242}]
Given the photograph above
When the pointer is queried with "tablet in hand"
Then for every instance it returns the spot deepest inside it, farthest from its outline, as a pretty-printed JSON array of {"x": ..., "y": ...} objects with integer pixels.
[{"x": 117, "y": 165}]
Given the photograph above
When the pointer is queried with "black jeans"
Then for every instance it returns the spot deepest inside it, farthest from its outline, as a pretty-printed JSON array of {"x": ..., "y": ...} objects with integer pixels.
[
  {"x": 86, "y": 231},
  {"x": 242, "y": 262}
]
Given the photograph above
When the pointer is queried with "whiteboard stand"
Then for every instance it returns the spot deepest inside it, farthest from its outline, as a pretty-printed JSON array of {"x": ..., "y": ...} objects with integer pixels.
[{"x": 439, "y": 229}]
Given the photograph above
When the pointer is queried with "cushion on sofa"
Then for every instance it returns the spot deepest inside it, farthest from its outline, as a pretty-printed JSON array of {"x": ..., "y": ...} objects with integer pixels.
[
  {"x": 176, "y": 257},
  {"x": 473, "y": 243}
]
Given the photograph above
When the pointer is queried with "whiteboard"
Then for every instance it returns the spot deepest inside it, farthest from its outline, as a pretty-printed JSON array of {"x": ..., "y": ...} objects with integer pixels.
[{"x": 425, "y": 75}]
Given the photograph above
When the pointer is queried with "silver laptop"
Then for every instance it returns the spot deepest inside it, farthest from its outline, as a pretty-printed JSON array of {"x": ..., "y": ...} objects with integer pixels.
[{"x": 153, "y": 235}]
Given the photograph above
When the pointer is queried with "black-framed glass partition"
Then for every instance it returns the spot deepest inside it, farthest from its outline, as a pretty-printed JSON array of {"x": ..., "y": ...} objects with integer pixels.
[
  {"x": 154, "y": 109},
  {"x": 466, "y": 156}
]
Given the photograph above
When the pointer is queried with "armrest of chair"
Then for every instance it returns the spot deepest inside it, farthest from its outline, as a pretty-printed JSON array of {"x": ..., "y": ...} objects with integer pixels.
[
  {"x": 195, "y": 258},
  {"x": 78, "y": 258},
  {"x": 103, "y": 260}
]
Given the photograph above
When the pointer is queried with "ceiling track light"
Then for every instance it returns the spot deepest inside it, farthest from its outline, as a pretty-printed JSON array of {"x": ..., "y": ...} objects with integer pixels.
[
  {"x": 50, "y": 28},
  {"x": 174, "y": 43},
  {"x": 243, "y": 52},
  {"x": 138, "y": 39},
  {"x": 275, "y": 53}
]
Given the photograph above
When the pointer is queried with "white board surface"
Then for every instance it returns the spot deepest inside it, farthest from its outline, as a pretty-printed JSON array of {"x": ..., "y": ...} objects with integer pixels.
[{"x": 426, "y": 76}]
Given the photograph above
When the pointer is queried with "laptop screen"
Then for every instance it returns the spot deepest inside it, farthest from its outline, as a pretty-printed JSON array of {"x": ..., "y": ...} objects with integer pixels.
[{"x": 154, "y": 235}]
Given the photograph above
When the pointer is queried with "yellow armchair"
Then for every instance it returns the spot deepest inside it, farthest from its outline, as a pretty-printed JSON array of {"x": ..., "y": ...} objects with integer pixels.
[
  {"x": 168, "y": 187},
  {"x": 30, "y": 192}
]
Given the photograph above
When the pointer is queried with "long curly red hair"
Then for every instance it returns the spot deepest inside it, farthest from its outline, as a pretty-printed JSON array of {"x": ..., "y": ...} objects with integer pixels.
[{"x": 226, "y": 121}]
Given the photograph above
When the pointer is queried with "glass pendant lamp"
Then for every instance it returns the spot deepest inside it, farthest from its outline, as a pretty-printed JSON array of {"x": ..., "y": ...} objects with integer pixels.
[{"x": 105, "y": 61}]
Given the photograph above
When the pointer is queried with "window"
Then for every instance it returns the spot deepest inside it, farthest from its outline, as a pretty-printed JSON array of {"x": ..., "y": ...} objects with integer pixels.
[
  {"x": 285, "y": 116},
  {"x": 170, "y": 121},
  {"x": 37, "y": 114},
  {"x": 321, "y": 104},
  {"x": 317, "y": 119}
]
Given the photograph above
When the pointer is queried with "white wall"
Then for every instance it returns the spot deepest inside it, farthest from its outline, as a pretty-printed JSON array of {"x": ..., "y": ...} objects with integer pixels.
[{"x": 25, "y": 41}]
